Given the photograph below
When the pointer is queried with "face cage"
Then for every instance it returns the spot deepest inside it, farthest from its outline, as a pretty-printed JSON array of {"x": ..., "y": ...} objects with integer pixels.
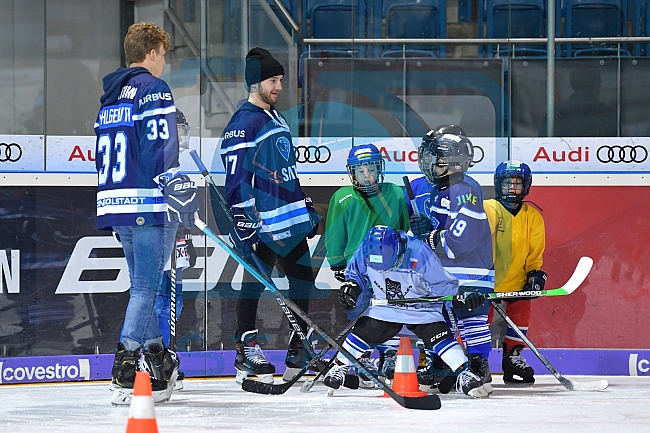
[
  {"x": 183, "y": 137},
  {"x": 508, "y": 197},
  {"x": 369, "y": 188}
]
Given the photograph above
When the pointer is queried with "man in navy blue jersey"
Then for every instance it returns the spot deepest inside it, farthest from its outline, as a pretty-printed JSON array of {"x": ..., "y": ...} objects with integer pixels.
[
  {"x": 272, "y": 217},
  {"x": 142, "y": 197}
]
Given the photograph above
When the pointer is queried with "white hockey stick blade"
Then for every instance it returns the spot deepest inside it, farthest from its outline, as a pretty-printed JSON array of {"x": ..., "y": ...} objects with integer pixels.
[
  {"x": 579, "y": 276},
  {"x": 595, "y": 385}
]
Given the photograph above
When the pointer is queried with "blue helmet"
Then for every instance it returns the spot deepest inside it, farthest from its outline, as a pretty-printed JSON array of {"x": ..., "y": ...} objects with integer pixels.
[
  {"x": 502, "y": 177},
  {"x": 384, "y": 247},
  {"x": 449, "y": 151},
  {"x": 366, "y": 168}
]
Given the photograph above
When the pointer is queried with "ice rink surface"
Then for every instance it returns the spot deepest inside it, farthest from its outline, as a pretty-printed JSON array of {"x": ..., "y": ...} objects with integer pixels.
[{"x": 220, "y": 405}]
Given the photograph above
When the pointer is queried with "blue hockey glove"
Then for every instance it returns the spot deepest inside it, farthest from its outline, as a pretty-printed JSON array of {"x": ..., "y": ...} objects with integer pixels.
[
  {"x": 420, "y": 226},
  {"x": 468, "y": 299},
  {"x": 244, "y": 232},
  {"x": 182, "y": 200},
  {"x": 348, "y": 294},
  {"x": 339, "y": 272},
  {"x": 313, "y": 216}
]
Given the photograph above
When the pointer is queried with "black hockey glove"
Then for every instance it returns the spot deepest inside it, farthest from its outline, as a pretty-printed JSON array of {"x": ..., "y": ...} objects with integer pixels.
[
  {"x": 468, "y": 299},
  {"x": 313, "y": 216},
  {"x": 339, "y": 272},
  {"x": 191, "y": 251},
  {"x": 420, "y": 226},
  {"x": 182, "y": 200},
  {"x": 348, "y": 294},
  {"x": 535, "y": 281},
  {"x": 244, "y": 232}
]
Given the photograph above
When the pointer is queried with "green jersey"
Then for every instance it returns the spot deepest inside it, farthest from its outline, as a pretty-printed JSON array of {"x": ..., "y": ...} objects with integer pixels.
[{"x": 350, "y": 216}]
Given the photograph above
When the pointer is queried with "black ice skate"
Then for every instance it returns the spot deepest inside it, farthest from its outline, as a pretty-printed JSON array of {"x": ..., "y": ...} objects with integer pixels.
[
  {"x": 335, "y": 377},
  {"x": 250, "y": 359},
  {"x": 387, "y": 363},
  {"x": 470, "y": 384},
  {"x": 481, "y": 368},
  {"x": 436, "y": 376},
  {"x": 364, "y": 381},
  {"x": 125, "y": 365},
  {"x": 297, "y": 357},
  {"x": 162, "y": 365},
  {"x": 515, "y": 369}
]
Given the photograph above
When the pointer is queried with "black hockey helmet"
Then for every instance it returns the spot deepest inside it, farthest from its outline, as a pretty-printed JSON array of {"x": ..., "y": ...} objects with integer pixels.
[
  {"x": 450, "y": 151},
  {"x": 448, "y": 129}
]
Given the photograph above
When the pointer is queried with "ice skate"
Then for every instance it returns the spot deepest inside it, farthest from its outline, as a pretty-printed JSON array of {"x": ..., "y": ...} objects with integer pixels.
[
  {"x": 436, "y": 376},
  {"x": 387, "y": 365},
  {"x": 516, "y": 370},
  {"x": 250, "y": 359},
  {"x": 179, "y": 381},
  {"x": 335, "y": 377},
  {"x": 125, "y": 365},
  {"x": 364, "y": 381},
  {"x": 470, "y": 384},
  {"x": 297, "y": 357},
  {"x": 162, "y": 365},
  {"x": 481, "y": 368}
]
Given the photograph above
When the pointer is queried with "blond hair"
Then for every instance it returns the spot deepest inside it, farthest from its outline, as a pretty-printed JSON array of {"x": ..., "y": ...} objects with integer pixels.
[{"x": 141, "y": 38}]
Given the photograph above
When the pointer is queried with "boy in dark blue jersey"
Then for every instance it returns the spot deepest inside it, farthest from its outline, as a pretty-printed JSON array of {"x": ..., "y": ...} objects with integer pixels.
[
  {"x": 457, "y": 230},
  {"x": 271, "y": 214},
  {"x": 142, "y": 197}
]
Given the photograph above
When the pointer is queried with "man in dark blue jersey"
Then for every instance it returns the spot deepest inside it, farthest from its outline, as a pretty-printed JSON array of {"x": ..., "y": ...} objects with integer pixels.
[
  {"x": 272, "y": 217},
  {"x": 142, "y": 197}
]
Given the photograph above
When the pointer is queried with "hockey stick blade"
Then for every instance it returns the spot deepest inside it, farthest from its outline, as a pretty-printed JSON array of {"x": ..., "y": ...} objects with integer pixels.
[
  {"x": 428, "y": 402},
  {"x": 579, "y": 275}
]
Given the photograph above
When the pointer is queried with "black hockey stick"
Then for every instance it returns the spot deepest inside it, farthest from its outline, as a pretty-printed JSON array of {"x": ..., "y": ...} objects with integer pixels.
[
  {"x": 428, "y": 402},
  {"x": 268, "y": 388},
  {"x": 596, "y": 385},
  {"x": 255, "y": 259},
  {"x": 172, "y": 301},
  {"x": 579, "y": 275}
]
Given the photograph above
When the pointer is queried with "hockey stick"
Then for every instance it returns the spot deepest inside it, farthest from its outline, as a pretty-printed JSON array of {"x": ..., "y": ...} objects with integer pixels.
[
  {"x": 428, "y": 402},
  {"x": 579, "y": 275},
  {"x": 596, "y": 385},
  {"x": 172, "y": 302},
  {"x": 268, "y": 388},
  {"x": 224, "y": 206}
]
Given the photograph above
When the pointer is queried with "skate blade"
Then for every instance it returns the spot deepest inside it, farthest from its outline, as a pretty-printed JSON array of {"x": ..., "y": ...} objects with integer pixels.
[
  {"x": 330, "y": 392},
  {"x": 479, "y": 392},
  {"x": 179, "y": 385},
  {"x": 121, "y": 396},
  {"x": 519, "y": 384},
  {"x": 488, "y": 387},
  {"x": 243, "y": 374}
]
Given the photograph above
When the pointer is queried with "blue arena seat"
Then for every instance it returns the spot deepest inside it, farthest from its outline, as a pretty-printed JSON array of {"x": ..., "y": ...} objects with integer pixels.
[
  {"x": 412, "y": 19},
  {"x": 336, "y": 19},
  {"x": 593, "y": 19},
  {"x": 516, "y": 19}
]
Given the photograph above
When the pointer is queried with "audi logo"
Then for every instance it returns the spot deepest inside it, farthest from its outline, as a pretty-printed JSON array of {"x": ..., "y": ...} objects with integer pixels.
[
  {"x": 618, "y": 154},
  {"x": 476, "y": 161},
  {"x": 11, "y": 152},
  {"x": 313, "y": 154}
]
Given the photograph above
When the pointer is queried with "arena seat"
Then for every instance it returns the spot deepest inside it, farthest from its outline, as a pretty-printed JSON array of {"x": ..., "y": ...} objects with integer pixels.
[
  {"x": 593, "y": 19},
  {"x": 413, "y": 19},
  {"x": 516, "y": 19}
]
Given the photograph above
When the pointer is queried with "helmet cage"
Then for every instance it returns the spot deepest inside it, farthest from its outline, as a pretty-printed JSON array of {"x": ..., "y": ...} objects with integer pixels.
[
  {"x": 504, "y": 173},
  {"x": 368, "y": 163}
]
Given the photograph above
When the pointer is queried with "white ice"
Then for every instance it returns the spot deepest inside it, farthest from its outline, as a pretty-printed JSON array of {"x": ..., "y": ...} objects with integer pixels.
[{"x": 220, "y": 405}]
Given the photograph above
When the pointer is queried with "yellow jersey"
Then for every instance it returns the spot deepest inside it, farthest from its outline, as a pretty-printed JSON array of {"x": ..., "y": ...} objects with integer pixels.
[{"x": 517, "y": 244}]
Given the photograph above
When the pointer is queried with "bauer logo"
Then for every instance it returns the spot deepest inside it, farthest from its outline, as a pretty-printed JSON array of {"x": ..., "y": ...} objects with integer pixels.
[
  {"x": 638, "y": 365},
  {"x": 59, "y": 372}
]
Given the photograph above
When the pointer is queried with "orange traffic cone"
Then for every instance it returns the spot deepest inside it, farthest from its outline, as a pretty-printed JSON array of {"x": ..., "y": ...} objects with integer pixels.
[
  {"x": 405, "y": 381},
  {"x": 142, "y": 418}
]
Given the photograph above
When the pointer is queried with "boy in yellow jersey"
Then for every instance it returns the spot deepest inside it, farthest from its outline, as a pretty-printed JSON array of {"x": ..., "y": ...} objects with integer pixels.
[{"x": 518, "y": 241}]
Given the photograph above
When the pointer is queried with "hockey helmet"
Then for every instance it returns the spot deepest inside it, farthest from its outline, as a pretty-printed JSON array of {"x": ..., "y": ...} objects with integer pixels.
[
  {"x": 366, "y": 168},
  {"x": 183, "y": 131},
  {"x": 503, "y": 176},
  {"x": 451, "y": 152},
  {"x": 384, "y": 248}
]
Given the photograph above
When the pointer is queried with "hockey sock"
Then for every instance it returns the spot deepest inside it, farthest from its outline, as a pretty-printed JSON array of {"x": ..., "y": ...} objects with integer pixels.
[
  {"x": 476, "y": 333},
  {"x": 450, "y": 352},
  {"x": 393, "y": 343},
  {"x": 355, "y": 345}
]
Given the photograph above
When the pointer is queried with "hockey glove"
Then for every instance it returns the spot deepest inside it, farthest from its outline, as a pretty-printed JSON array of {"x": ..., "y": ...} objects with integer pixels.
[
  {"x": 182, "y": 200},
  {"x": 313, "y": 216},
  {"x": 339, "y": 273},
  {"x": 535, "y": 280},
  {"x": 191, "y": 251},
  {"x": 468, "y": 299},
  {"x": 420, "y": 226},
  {"x": 348, "y": 294},
  {"x": 244, "y": 232}
]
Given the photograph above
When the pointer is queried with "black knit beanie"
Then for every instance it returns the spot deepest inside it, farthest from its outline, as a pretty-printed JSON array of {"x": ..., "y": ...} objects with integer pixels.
[{"x": 260, "y": 65}]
